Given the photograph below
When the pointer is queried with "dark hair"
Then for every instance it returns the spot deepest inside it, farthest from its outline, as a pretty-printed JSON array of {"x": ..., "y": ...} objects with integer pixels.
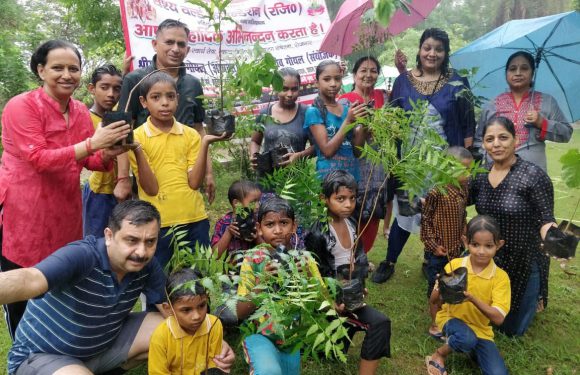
[
  {"x": 240, "y": 188},
  {"x": 460, "y": 153},
  {"x": 184, "y": 282},
  {"x": 440, "y": 36},
  {"x": 277, "y": 205},
  {"x": 318, "y": 103},
  {"x": 154, "y": 78},
  {"x": 290, "y": 72},
  {"x": 337, "y": 179},
  {"x": 39, "y": 56},
  {"x": 135, "y": 211},
  {"x": 526, "y": 55},
  {"x": 99, "y": 72},
  {"x": 483, "y": 223},
  {"x": 170, "y": 24},
  {"x": 503, "y": 121},
  {"x": 359, "y": 62}
]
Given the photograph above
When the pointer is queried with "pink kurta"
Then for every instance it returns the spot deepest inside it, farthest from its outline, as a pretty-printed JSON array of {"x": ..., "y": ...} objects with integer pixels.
[{"x": 39, "y": 177}]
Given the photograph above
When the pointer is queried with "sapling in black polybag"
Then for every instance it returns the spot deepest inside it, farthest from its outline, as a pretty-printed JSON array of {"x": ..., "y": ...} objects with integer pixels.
[
  {"x": 559, "y": 244},
  {"x": 351, "y": 287},
  {"x": 452, "y": 285}
]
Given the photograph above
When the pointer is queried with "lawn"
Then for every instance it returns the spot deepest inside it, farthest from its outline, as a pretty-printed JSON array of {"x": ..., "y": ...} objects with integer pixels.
[{"x": 553, "y": 340}]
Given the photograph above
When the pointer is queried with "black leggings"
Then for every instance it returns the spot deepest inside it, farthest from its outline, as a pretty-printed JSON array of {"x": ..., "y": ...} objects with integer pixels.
[{"x": 13, "y": 311}]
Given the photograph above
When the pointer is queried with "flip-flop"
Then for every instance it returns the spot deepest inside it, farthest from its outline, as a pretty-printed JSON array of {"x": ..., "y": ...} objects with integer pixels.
[
  {"x": 431, "y": 363},
  {"x": 439, "y": 336}
]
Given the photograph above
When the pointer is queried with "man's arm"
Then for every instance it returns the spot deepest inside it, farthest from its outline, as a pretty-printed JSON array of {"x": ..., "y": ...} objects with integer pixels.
[{"x": 21, "y": 285}]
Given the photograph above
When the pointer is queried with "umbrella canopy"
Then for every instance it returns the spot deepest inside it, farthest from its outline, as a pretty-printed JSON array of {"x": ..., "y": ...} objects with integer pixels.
[
  {"x": 553, "y": 40},
  {"x": 344, "y": 31}
]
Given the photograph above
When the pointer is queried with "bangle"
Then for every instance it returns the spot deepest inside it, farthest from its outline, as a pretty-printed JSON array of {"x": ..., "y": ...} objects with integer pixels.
[
  {"x": 138, "y": 147},
  {"x": 90, "y": 151},
  {"x": 122, "y": 178}
]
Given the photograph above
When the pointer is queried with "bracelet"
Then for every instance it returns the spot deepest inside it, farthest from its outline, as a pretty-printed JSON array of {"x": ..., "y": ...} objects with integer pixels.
[
  {"x": 122, "y": 178},
  {"x": 138, "y": 147},
  {"x": 90, "y": 151}
]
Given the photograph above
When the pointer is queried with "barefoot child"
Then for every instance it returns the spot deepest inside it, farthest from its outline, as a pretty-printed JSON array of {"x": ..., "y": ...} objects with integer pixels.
[
  {"x": 169, "y": 164},
  {"x": 334, "y": 256},
  {"x": 226, "y": 236},
  {"x": 442, "y": 227},
  {"x": 487, "y": 299},
  {"x": 189, "y": 336},
  {"x": 98, "y": 198}
]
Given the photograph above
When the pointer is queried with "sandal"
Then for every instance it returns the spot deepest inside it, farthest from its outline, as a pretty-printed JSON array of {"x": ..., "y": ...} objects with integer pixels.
[
  {"x": 434, "y": 368},
  {"x": 436, "y": 334}
]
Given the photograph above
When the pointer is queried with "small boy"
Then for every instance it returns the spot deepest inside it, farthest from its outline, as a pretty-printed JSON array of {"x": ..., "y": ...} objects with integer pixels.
[
  {"x": 276, "y": 225},
  {"x": 487, "y": 299},
  {"x": 442, "y": 225},
  {"x": 189, "y": 336},
  {"x": 335, "y": 246},
  {"x": 226, "y": 237},
  {"x": 169, "y": 163},
  {"x": 98, "y": 197}
]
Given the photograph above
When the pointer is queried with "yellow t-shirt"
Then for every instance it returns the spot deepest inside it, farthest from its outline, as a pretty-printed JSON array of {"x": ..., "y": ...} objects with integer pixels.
[
  {"x": 171, "y": 155},
  {"x": 171, "y": 348},
  {"x": 102, "y": 182},
  {"x": 491, "y": 285}
]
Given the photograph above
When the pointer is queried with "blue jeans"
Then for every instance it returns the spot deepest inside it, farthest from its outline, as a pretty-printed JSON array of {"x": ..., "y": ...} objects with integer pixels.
[
  {"x": 96, "y": 211},
  {"x": 197, "y": 232},
  {"x": 265, "y": 358},
  {"x": 435, "y": 265},
  {"x": 397, "y": 239},
  {"x": 462, "y": 339},
  {"x": 517, "y": 323}
]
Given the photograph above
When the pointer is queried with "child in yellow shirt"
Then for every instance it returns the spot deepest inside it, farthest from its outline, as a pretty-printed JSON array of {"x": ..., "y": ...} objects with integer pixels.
[
  {"x": 169, "y": 163},
  {"x": 487, "y": 299},
  {"x": 188, "y": 340}
]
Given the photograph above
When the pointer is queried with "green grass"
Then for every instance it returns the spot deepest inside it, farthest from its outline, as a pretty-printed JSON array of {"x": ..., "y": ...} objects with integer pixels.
[{"x": 553, "y": 340}]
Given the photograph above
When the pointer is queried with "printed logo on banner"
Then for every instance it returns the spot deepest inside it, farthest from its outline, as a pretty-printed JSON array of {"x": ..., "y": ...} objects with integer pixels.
[{"x": 291, "y": 31}]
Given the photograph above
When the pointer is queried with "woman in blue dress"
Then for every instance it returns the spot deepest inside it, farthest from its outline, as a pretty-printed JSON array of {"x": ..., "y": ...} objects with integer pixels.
[{"x": 450, "y": 114}]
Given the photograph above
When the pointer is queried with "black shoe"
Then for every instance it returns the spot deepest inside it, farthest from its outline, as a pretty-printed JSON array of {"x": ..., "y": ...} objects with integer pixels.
[{"x": 384, "y": 272}]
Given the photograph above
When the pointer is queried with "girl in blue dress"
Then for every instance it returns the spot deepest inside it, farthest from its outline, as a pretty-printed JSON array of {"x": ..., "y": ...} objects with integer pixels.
[{"x": 328, "y": 120}]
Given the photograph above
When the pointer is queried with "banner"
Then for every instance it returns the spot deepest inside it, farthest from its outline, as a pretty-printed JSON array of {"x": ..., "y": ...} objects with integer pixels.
[{"x": 291, "y": 30}]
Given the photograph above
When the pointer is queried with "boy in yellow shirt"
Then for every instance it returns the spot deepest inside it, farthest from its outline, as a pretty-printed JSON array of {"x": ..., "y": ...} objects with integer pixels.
[
  {"x": 169, "y": 163},
  {"x": 98, "y": 198},
  {"x": 188, "y": 340},
  {"x": 487, "y": 298}
]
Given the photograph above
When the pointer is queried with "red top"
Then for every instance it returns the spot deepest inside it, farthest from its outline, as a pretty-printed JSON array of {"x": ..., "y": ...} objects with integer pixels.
[
  {"x": 40, "y": 178},
  {"x": 377, "y": 95}
]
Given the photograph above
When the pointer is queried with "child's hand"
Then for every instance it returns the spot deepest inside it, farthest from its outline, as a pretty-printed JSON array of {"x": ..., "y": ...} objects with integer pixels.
[
  {"x": 272, "y": 268},
  {"x": 440, "y": 251},
  {"x": 234, "y": 230},
  {"x": 468, "y": 296},
  {"x": 340, "y": 309},
  {"x": 386, "y": 231},
  {"x": 217, "y": 138},
  {"x": 289, "y": 158},
  {"x": 254, "y": 161},
  {"x": 365, "y": 292},
  {"x": 355, "y": 111}
]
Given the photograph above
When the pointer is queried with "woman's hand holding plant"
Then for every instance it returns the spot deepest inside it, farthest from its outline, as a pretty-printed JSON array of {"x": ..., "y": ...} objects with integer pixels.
[{"x": 107, "y": 136}]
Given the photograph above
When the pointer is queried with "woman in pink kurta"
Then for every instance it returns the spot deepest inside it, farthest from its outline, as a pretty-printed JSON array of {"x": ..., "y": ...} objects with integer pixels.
[{"x": 48, "y": 138}]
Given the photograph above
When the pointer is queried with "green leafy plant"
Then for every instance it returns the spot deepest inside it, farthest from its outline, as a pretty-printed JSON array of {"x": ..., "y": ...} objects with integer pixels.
[
  {"x": 297, "y": 308},
  {"x": 299, "y": 184},
  {"x": 297, "y": 305}
]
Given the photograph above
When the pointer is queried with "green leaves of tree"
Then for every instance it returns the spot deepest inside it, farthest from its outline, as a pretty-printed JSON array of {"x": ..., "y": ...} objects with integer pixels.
[{"x": 571, "y": 168}]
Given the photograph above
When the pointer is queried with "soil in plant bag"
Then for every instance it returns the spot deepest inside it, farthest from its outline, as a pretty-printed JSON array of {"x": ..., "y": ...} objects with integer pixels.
[
  {"x": 277, "y": 154},
  {"x": 264, "y": 163},
  {"x": 351, "y": 288},
  {"x": 246, "y": 224},
  {"x": 559, "y": 244},
  {"x": 452, "y": 285},
  {"x": 219, "y": 122},
  {"x": 213, "y": 371},
  {"x": 110, "y": 117}
]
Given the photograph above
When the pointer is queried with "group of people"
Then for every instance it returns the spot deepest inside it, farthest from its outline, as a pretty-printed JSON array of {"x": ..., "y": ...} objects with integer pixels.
[{"x": 82, "y": 257}]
